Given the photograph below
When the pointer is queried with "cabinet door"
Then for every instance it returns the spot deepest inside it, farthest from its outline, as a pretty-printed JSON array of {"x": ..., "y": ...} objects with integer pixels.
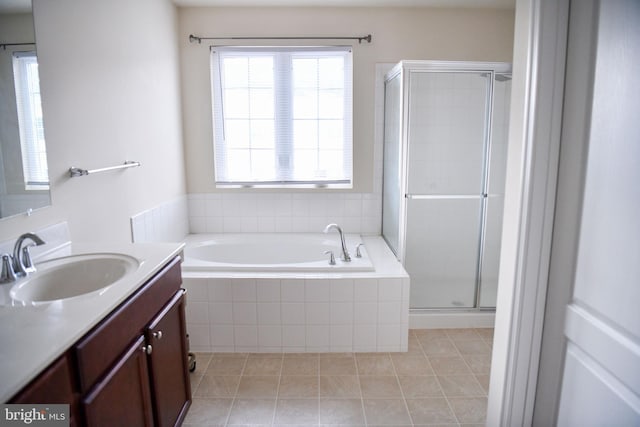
[
  {"x": 53, "y": 386},
  {"x": 122, "y": 396},
  {"x": 168, "y": 363}
]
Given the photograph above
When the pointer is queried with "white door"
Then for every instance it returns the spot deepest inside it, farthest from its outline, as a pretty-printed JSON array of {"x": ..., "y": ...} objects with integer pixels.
[{"x": 601, "y": 374}]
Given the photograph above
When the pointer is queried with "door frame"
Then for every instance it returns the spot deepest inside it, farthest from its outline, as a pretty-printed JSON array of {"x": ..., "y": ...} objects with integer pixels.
[{"x": 540, "y": 39}]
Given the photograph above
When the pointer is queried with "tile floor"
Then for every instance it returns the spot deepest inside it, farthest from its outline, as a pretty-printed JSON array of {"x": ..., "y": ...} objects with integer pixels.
[{"x": 442, "y": 380}]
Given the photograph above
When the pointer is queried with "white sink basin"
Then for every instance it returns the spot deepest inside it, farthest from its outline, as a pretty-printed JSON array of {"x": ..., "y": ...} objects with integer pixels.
[{"x": 72, "y": 276}]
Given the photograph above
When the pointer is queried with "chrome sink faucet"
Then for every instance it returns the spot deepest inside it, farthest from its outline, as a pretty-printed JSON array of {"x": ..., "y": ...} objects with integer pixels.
[
  {"x": 345, "y": 252},
  {"x": 22, "y": 264},
  {"x": 19, "y": 264}
]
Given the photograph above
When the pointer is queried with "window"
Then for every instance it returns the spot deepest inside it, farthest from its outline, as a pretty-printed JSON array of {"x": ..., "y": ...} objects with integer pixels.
[
  {"x": 282, "y": 116},
  {"x": 32, "y": 144}
]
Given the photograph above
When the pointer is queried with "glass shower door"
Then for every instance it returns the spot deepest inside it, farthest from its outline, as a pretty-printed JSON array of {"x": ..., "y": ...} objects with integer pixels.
[
  {"x": 495, "y": 198},
  {"x": 391, "y": 187},
  {"x": 448, "y": 116}
]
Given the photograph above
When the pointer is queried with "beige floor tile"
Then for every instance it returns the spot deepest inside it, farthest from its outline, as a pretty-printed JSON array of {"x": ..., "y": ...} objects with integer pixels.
[
  {"x": 258, "y": 386},
  {"x": 439, "y": 347},
  {"x": 341, "y": 411},
  {"x": 339, "y": 386},
  {"x": 483, "y": 379},
  {"x": 420, "y": 386},
  {"x": 413, "y": 347},
  {"x": 462, "y": 334},
  {"x": 336, "y": 354},
  {"x": 202, "y": 360},
  {"x": 217, "y": 386},
  {"x": 228, "y": 354},
  {"x": 449, "y": 365},
  {"x": 407, "y": 364},
  {"x": 300, "y": 366},
  {"x": 226, "y": 366},
  {"x": 473, "y": 347},
  {"x": 425, "y": 336},
  {"x": 208, "y": 411},
  {"x": 430, "y": 333},
  {"x": 299, "y": 386},
  {"x": 469, "y": 409},
  {"x": 337, "y": 366},
  {"x": 345, "y": 389},
  {"x": 263, "y": 366},
  {"x": 252, "y": 411},
  {"x": 440, "y": 425},
  {"x": 386, "y": 412},
  {"x": 485, "y": 333},
  {"x": 194, "y": 380},
  {"x": 478, "y": 363},
  {"x": 375, "y": 365},
  {"x": 430, "y": 411},
  {"x": 305, "y": 355},
  {"x": 265, "y": 355},
  {"x": 297, "y": 411},
  {"x": 460, "y": 385},
  {"x": 380, "y": 386}
]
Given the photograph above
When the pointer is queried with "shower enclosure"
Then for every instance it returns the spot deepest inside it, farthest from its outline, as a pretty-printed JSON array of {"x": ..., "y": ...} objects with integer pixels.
[{"x": 445, "y": 143}]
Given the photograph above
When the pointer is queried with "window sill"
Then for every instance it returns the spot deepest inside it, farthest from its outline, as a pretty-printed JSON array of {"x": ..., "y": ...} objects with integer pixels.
[{"x": 296, "y": 185}]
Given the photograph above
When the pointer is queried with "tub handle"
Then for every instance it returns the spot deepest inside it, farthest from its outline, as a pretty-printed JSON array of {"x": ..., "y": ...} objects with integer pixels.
[
  {"x": 358, "y": 252},
  {"x": 332, "y": 258}
]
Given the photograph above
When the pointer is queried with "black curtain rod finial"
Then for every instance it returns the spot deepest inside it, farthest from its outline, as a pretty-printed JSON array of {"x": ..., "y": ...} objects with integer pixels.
[{"x": 193, "y": 38}]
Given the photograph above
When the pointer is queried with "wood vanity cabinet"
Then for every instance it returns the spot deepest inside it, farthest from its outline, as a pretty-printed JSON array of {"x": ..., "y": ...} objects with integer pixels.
[
  {"x": 53, "y": 386},
  {"x": 132, "y": 368}
]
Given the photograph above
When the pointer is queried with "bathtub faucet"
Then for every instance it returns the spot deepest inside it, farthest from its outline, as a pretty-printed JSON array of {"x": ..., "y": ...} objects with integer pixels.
[{"x": 345, "y": 252}]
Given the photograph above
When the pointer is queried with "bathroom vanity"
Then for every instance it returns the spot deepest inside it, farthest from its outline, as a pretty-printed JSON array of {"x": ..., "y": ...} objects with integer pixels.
[{"x": 127, "y": 365}]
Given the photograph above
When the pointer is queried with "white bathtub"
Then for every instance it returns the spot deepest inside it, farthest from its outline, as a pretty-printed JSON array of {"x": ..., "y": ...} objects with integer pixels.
[
  {"x": 273, "y": 252},
  {"x": 277, "y": 293}
]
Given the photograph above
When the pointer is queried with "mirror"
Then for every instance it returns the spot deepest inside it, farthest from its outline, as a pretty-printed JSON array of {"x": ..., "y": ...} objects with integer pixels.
[{"x": 24, "y": 179}]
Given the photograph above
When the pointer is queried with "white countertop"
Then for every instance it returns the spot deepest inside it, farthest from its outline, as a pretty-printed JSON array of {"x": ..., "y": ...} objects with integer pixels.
[{"x": 33, "y": 336}]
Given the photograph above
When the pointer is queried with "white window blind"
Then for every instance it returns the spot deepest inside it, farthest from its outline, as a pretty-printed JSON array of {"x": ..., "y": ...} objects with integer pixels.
[
  {"x": 282, "y": 116},
  {"x": 34, "y": 152}
]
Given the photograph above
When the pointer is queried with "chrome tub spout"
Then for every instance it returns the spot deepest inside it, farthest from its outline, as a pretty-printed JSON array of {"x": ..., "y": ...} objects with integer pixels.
[{"x": 345, "y": 253}]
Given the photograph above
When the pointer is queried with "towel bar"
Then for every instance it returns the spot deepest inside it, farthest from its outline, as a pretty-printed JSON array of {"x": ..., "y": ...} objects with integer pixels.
[{"x": 73, "y": 172}]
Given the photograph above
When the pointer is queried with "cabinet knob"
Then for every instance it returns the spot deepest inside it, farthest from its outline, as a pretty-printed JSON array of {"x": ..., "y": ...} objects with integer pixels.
[
  {"x": 157, "y": 335},
  {"x": 147, "y": 349}
]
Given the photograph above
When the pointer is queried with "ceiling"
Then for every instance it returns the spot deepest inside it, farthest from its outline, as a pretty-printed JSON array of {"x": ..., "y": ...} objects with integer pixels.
[{"x": 352, "y": 3}]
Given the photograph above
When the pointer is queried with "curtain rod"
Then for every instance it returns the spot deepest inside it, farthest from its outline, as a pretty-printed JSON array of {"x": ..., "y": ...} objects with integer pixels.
[
  {"x": 4, "y": 45},
  {"x": 193, "y": 38}
]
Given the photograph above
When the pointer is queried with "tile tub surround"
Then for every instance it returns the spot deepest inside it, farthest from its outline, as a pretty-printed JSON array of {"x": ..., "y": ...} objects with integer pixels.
[
  {"x": 167, "y": 222},
  {"x": 438, "y": 381},
  {"x": 284, "y": 212},
  {"x": 301, "y": 312}
]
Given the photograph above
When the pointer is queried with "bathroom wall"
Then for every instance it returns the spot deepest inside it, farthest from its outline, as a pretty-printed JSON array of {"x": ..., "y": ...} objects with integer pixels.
[
  {"x": 398, "y": 33},
  {"x": 110, "y": 89}
]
